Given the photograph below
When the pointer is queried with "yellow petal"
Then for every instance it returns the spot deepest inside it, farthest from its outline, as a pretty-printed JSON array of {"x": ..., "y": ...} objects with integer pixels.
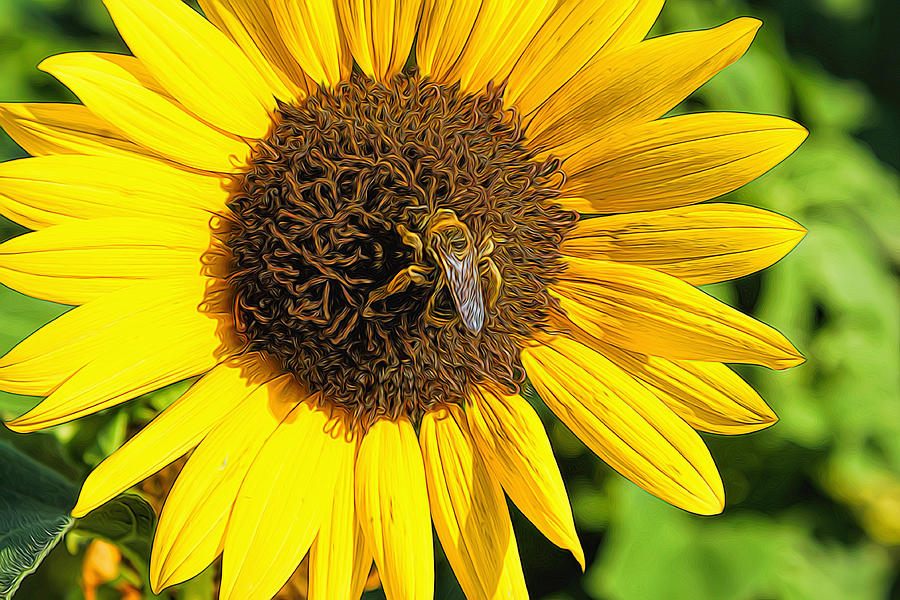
[
  {"x": 362, "y": 564},
  {"x": 573, "y": 36},
  {"x": 678, "y": 161},
  {"x": 636, "y": 25},
  {"x": 104, "y": 366},
  {"x": 312, "y": 34},
  {"x": 577, "y": 204},
  {"x": 221, "y": 13},
  {"x": 708, "y": 396},
  {"x": 653, "y": 313},
  {"x": 45, "y": 128},
  {"x": 78, "y": 261},
  {"x": 699, "y": 244},
  {"x": 443, "y": 32},
  {"x": 196, "y": 63},
  {"x": 288, "y": 492},
  {"x": 338, "y": 559},
  {"x": 512, "y": 440},
  {"x": 112, "y": 87},
  {"x": 469, "y": 512},
  {"x": 40, "y": 363},
  {"x": 380, "y": 33},
  {"x": 500, "y": 34},
  {"x": 625, "y": 425},
  {"x": 191, "y": 529},
  {"x": 392, "y": 502},
  {"x": 251, "y": 25},
  {"x": 636, "y": 84},
  {"x": 170, "y": 435},
  {"x": 52, "y": 190}
]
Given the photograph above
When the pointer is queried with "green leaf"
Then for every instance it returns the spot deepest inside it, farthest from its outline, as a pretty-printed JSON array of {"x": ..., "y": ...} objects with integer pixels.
[
  {"x": 34, "y": 514},
  {"x": 47, "y": 449},
  {"x": 128, "y": 522}
]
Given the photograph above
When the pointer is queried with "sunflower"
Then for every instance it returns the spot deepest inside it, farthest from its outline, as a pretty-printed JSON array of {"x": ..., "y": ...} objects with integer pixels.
[{"x": 371, "y": 226}]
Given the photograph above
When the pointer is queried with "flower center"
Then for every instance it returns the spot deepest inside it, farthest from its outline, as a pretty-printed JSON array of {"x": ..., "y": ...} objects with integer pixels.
[{"x": 392, "y": 244}]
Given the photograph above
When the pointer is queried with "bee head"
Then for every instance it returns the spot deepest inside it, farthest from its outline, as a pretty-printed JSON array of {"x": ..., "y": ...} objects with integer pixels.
[{"x": 447, "y": 236}]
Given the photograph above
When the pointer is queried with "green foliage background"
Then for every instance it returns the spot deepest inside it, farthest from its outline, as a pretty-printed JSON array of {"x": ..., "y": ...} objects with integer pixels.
[{"x": 813, "y": 502}]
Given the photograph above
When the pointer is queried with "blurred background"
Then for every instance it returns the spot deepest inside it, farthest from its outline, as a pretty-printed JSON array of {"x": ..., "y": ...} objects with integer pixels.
[{"x": 813, "y": 503}]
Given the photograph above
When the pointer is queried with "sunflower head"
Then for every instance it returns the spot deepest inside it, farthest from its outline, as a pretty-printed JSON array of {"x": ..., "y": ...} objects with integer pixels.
[{"x": 366, "y": 225}]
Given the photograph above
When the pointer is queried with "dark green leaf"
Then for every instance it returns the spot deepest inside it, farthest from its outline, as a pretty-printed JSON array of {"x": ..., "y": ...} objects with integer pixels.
[
  {"x": 34, "y": 514},
  {"x": 128, "y": 522}
]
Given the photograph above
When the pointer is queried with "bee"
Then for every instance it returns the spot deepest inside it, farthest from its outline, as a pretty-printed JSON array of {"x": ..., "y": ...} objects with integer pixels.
[
  {"x": 460, "y": 264},
  {"x": 451, "y": 245}
]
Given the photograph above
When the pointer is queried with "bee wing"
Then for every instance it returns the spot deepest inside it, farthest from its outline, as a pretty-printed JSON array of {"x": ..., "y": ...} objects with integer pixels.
[{"x": 465, "y": 287}]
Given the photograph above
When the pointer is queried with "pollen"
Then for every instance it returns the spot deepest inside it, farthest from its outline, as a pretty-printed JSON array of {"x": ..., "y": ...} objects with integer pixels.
[{"x": 392, "y": 244}]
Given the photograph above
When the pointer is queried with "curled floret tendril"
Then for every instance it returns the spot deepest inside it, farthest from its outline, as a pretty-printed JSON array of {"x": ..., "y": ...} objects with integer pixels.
[{"x": 338, "y": 226}]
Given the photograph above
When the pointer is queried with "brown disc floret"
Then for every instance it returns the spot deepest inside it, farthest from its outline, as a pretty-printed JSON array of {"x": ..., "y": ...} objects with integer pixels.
[{"x": 331, "y": 272}]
